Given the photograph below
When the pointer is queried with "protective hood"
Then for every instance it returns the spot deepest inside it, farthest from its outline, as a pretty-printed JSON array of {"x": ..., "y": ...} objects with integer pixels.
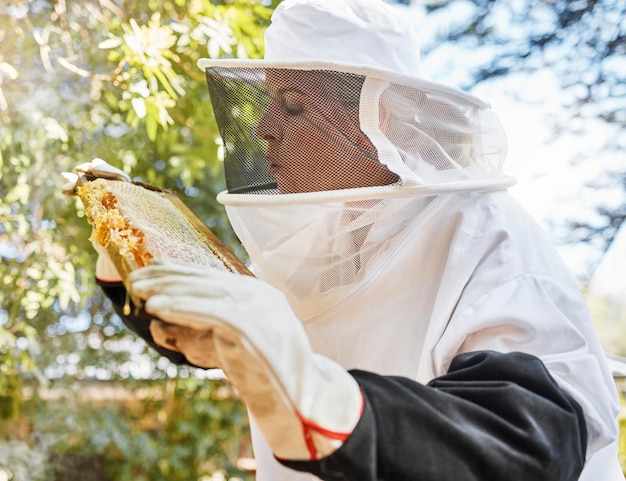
[{"x": 341, "y": 79}]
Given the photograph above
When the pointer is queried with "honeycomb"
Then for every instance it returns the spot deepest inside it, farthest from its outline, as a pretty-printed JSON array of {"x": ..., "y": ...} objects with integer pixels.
[{"x": 136, "y": 223}]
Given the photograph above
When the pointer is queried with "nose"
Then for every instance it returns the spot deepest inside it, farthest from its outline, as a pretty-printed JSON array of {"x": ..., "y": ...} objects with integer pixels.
[{"x": 268, "y": 127}]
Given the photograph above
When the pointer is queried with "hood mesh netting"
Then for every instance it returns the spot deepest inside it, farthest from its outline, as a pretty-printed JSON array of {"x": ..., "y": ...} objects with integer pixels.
[
  {"x": 296, "y": 131},
  {"x": 319, "y": 254},
  {"x": 319, "y": 135}
]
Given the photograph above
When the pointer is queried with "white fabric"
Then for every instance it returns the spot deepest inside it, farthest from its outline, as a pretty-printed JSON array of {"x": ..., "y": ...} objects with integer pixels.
[
  {"x": 471, "y": 271},
  {"x": 319, "y": 254},
  {"x": 102, "y": 169},
  {"x": 98, "y": 168},
  {"x": 313, "y": 30},
  {"x": 261, "y": 347}
]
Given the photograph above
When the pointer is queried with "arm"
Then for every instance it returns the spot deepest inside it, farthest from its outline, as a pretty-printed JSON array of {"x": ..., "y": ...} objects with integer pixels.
[{"x": 492, "y": 416}]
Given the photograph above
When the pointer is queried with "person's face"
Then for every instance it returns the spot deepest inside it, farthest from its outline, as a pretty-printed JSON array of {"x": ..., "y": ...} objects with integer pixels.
[{"x": 314, "y": 140}]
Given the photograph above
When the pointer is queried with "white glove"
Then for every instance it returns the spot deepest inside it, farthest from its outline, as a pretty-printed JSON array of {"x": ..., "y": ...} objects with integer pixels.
[
  {"x": 105, "y": 269},
  {"x": 97, "y": 168},
  {"x": 304, "y": 404}
]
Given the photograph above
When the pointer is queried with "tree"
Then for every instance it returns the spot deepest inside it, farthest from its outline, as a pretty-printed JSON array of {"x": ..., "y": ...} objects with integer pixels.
[{"x": 116, "y": 80}]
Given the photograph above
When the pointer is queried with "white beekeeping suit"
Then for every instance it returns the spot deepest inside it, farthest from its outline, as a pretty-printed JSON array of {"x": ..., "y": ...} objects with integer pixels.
[{"x": 397, "y": 278}]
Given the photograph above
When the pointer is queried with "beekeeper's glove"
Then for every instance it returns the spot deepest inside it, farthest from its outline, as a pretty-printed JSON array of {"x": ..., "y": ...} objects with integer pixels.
[
  {"x": 196, "y": 345},
  {"x": 97, "y": 168},
  {"x": 304, "y": 404}
]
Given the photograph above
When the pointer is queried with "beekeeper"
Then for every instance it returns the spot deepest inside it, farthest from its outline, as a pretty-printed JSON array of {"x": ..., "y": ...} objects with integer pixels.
[{"x": 408, "y": 320}]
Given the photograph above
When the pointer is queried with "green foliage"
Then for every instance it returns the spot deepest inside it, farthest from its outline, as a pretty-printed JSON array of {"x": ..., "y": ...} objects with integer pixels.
[
  {"x": 116, "y": 80},
  {"x": 166, "y": 430},
  {"x": 154, "y": 430},
  {"x": 113, "y": 80}
]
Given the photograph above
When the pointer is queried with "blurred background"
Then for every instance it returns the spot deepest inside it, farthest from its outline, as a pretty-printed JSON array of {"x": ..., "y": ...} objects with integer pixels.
[{"x": 80, "y": 396}]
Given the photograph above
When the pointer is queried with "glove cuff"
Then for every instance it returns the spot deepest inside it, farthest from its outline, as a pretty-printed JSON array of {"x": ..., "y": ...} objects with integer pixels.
[
  {"x": 321, "y": 441},
  {"x": 304, "y": 414}
]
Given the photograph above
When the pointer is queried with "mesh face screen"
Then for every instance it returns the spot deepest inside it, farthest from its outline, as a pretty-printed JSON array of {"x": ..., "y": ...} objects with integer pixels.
[{"x": 293, "y": 131}]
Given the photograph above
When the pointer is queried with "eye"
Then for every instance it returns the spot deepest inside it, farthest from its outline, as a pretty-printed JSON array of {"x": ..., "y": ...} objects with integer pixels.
[{"x": 292, "y": 102}]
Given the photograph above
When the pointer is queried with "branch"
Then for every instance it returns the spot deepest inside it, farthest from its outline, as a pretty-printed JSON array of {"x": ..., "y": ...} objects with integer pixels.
[{"x": 82, "y": 72}]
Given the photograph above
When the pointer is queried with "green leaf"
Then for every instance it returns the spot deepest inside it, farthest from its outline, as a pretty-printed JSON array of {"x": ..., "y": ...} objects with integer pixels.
[{"x": 151, "y": 127}]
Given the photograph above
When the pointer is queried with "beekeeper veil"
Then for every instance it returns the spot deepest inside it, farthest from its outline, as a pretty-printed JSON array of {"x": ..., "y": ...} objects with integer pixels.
[{"x": 334, "y": 144}]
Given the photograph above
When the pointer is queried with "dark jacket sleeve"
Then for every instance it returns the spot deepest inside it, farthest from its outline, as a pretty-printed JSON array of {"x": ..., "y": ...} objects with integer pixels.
[
  {"x": 492, "y": 417},
  {"x": 137, "y": 321}
]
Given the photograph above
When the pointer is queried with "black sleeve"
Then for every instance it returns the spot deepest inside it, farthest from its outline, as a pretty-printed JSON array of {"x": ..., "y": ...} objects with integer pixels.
[
  {"x": 492, "y": 417},
  {"x": 137, "y": 321}
]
